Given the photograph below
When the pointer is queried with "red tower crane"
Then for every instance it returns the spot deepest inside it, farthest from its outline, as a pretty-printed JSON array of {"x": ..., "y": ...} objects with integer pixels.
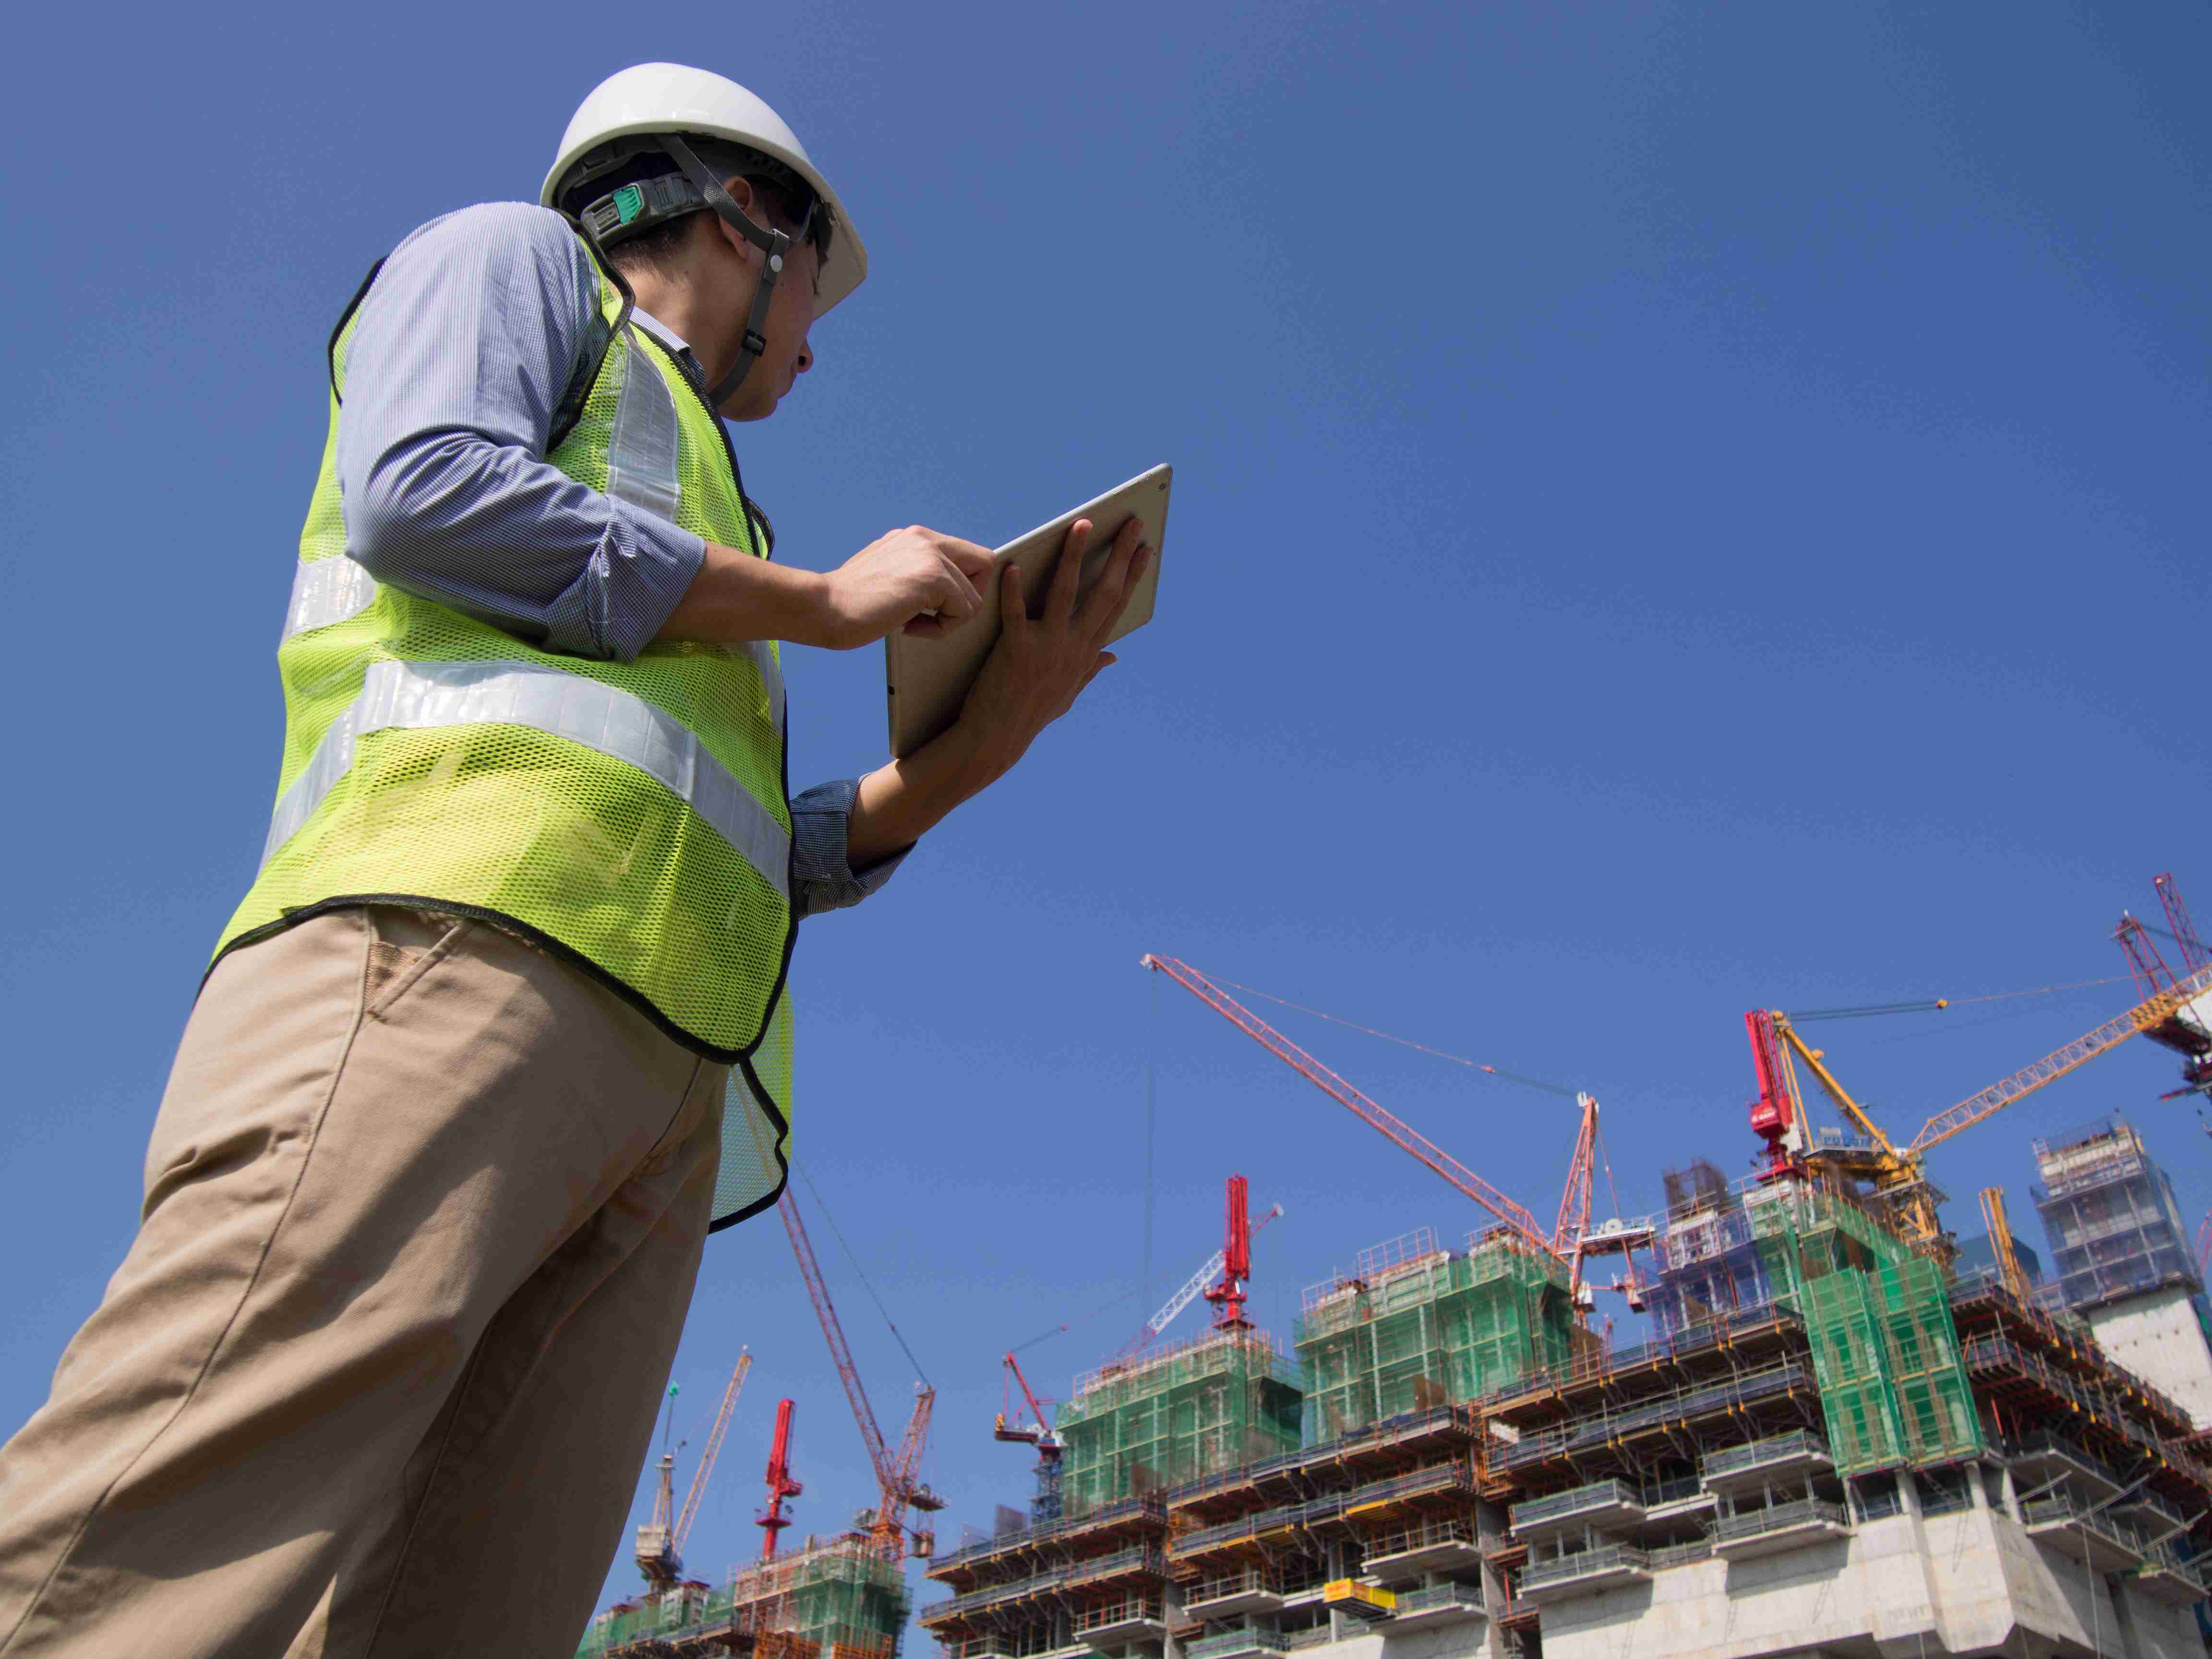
[
  {"x": 1227, "y": 1292},
  {"x": 780, "y": 1486},
  {"x": 1516, "y": 1219},
  {"x": 898, "y": 1474},
  {"x": 1193, "y": 1288},
  {"x": 1038, "y": 1431},
  {"x": 2194, "y": 955}
]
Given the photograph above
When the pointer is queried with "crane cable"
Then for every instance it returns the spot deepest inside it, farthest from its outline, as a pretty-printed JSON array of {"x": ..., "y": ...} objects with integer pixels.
[
  {"x": 859, "y": 1271},
  {"x": 1933, "y": 1005},
  {"x": 1403, "y": 1043}
]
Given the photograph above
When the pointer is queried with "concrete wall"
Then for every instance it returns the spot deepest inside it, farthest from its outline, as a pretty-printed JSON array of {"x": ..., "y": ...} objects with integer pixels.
[
  {"x": 2157, "y": 1336},
  {"x": 1972, "y": 1582}
]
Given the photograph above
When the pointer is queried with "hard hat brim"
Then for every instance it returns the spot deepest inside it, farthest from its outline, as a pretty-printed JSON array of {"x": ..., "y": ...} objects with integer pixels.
[{"x": 847, "y": 265}]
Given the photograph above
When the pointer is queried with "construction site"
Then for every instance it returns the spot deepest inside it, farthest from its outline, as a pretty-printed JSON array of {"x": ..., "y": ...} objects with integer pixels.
[{"x": 1830, "y": 1425}]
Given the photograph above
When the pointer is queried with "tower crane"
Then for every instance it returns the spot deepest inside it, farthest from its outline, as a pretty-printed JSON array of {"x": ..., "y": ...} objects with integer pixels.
[
  {"x": 2187, "y": 1027},
  {"x": 661, "y": 1540},
  {"x": 898, "y": 1473},
  {"x": 1572, "y": 1239},
  {"x": 1897, "y": 1173},
  {"x": 1038, "y": 1431},
  {"x": 1213, "y": 1274},
  {"x": 780, "y": 1486},
  {"x": 1575, "y": 1235},
  {"x": 1515, "y": 1219}
]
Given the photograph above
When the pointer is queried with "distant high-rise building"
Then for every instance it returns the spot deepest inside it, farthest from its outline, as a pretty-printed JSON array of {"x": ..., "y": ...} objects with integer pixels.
[{"x": 2120, "y": 1258}]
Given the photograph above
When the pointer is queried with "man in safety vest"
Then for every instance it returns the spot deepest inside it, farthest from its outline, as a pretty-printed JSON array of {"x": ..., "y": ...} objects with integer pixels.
[{"x": 502, "y": 1029}]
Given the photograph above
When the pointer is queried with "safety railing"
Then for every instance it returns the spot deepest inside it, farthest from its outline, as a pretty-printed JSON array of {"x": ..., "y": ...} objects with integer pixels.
[
  {"x": 1599, "y": 1427},
  {"x": 1145, "y": 1506},
  {"x": 1404, "y": 1541},
  {"x": 1251, "y": 1638},
  {"x": 2046, "y": 1442},
  {"x": 1597, "y": 1495},
  {"x": 1778, "y": 1517},
  {"x": 1795, "y": 1447},
  {"x": 1680, "y": 1555},
  {"x": 1455, "y": 1593},
  {"x": 1251, "y": 1582},
  {"x": 1582, "y": 1563},
  {"x": 1138, "y": 1558},
  {"x": 1129, "y": 1609},
  {"x": 2090, "y": 1518},
  {"x": 1453, "y": 1477}
]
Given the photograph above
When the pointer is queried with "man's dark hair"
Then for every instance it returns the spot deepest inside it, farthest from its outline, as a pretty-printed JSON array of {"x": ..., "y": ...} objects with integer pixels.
[{"x": 780, "y": 193}]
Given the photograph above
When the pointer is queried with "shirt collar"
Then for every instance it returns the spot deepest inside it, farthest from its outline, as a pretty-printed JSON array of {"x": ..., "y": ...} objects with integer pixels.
[{"x": 659, "y": 331}]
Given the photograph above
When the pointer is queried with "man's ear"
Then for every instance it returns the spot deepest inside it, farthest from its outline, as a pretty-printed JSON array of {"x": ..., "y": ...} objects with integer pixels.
[{"x": 741, "y": 192}]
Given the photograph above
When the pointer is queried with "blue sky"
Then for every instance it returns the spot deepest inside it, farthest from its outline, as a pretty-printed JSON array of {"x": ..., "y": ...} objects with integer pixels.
[{"x": 1678, "y": 510}]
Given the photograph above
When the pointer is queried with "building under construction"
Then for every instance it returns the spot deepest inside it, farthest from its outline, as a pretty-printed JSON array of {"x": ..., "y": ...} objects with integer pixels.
[
  {"x": 1831, "y": 1439},
  {"x": 1843, "y": 1450},
  {"x": 836, "y": 1598}
]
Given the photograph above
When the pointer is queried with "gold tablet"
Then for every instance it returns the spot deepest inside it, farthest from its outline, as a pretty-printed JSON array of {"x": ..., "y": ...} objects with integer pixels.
[{"x": 927, "y": 680}]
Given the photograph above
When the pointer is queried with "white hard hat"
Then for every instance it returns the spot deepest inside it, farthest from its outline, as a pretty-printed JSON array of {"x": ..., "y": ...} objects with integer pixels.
[{"x": 650, "y": 98}]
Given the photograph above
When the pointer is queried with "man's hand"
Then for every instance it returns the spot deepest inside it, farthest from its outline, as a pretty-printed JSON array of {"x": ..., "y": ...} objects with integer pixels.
[
  {"x": 1041, "y": 665},
  {"x": 913, "y": 579},
  {"x": 1032, "y": 676}
]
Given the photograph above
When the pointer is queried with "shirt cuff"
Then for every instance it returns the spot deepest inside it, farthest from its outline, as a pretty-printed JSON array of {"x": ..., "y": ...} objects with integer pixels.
[
  {"x": 822, "y": 878},
  {"x": 640, "y": 570}
]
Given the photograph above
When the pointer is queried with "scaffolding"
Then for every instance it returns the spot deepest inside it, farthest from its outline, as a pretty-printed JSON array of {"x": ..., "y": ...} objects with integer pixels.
[
  {"x": 2110, "y": 1213},
  {"x": 1416, "y": 1327},
  {"x": 1214, "y": 1402},
  {"x": 1877, "y": 1315},
  {"x": 833, "y": 1599}
]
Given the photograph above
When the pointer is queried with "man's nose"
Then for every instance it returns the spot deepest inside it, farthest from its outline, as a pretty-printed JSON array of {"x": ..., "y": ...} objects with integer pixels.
[{"x": 805, "y": 356}]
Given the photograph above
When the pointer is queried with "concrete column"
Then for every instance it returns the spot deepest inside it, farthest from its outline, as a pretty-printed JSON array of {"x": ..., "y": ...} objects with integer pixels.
[
  {"x": 1908, "y": 1492},
  {"x": 1976, "y": 1487},
  {"x": 2011, "y": 1490}
]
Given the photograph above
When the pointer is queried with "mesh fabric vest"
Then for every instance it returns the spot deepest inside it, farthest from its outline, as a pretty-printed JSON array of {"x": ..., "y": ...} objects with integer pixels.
[{"x": 633, "y": 817}]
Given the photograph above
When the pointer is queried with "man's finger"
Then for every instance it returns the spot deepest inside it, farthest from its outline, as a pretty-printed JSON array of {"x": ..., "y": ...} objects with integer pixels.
[
  {"x": 957, "y": 597},
  {"x": 1067, "y": 580},
  {"x": 1111, "y": 597},
  {"x": 926, "y": 627},
  {"x": 1106, "y": 660},
  {"x": 973, "y": 558},
  {"x": 1014, "y": 613}
]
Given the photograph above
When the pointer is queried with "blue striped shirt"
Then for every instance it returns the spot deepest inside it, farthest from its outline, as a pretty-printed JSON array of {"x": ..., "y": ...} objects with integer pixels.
[{"x": 460, "y": 354}]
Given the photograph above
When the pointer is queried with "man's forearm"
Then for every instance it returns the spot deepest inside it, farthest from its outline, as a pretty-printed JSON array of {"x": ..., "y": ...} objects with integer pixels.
[
  {"x": 898, "y": 804},
  {"x": 736, "y": 597}
]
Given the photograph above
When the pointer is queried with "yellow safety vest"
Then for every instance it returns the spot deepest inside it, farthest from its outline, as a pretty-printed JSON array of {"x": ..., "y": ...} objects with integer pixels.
[{"x": 631, "y": 816}]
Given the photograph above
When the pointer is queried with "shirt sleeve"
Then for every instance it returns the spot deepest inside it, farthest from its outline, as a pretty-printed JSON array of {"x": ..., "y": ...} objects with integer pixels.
[
  {"x": 460, "y": 356},
  {"x": 822, "y": 880}
]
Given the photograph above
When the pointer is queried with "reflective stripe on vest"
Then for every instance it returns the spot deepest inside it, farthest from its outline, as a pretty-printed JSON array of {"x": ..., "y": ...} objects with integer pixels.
[
  {"x": 641, "y": 470},
  {"x": 642, "y": 449},
  {"x": 332, "y": 590},
  {"x": 328, "y": 591},
  {"x": 418, "y": 695}
]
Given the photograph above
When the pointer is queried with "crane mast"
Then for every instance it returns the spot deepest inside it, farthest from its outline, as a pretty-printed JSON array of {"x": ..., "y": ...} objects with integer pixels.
[
  {"x": 780, "y": 1486},
  {"x": 898, "y": 1479},
  {"x": 661, "y": 1541}
]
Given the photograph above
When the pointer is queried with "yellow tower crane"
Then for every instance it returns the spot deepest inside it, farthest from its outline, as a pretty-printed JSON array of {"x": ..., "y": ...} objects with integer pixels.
[{"x": 1897, "y": 1176}]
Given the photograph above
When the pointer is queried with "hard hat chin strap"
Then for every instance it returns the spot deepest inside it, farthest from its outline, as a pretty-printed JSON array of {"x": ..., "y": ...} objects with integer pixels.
[{"x": 772, "y": 245}]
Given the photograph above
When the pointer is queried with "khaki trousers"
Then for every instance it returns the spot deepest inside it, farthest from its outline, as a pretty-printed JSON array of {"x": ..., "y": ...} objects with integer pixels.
[{"x": 425, "y": 1207}]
